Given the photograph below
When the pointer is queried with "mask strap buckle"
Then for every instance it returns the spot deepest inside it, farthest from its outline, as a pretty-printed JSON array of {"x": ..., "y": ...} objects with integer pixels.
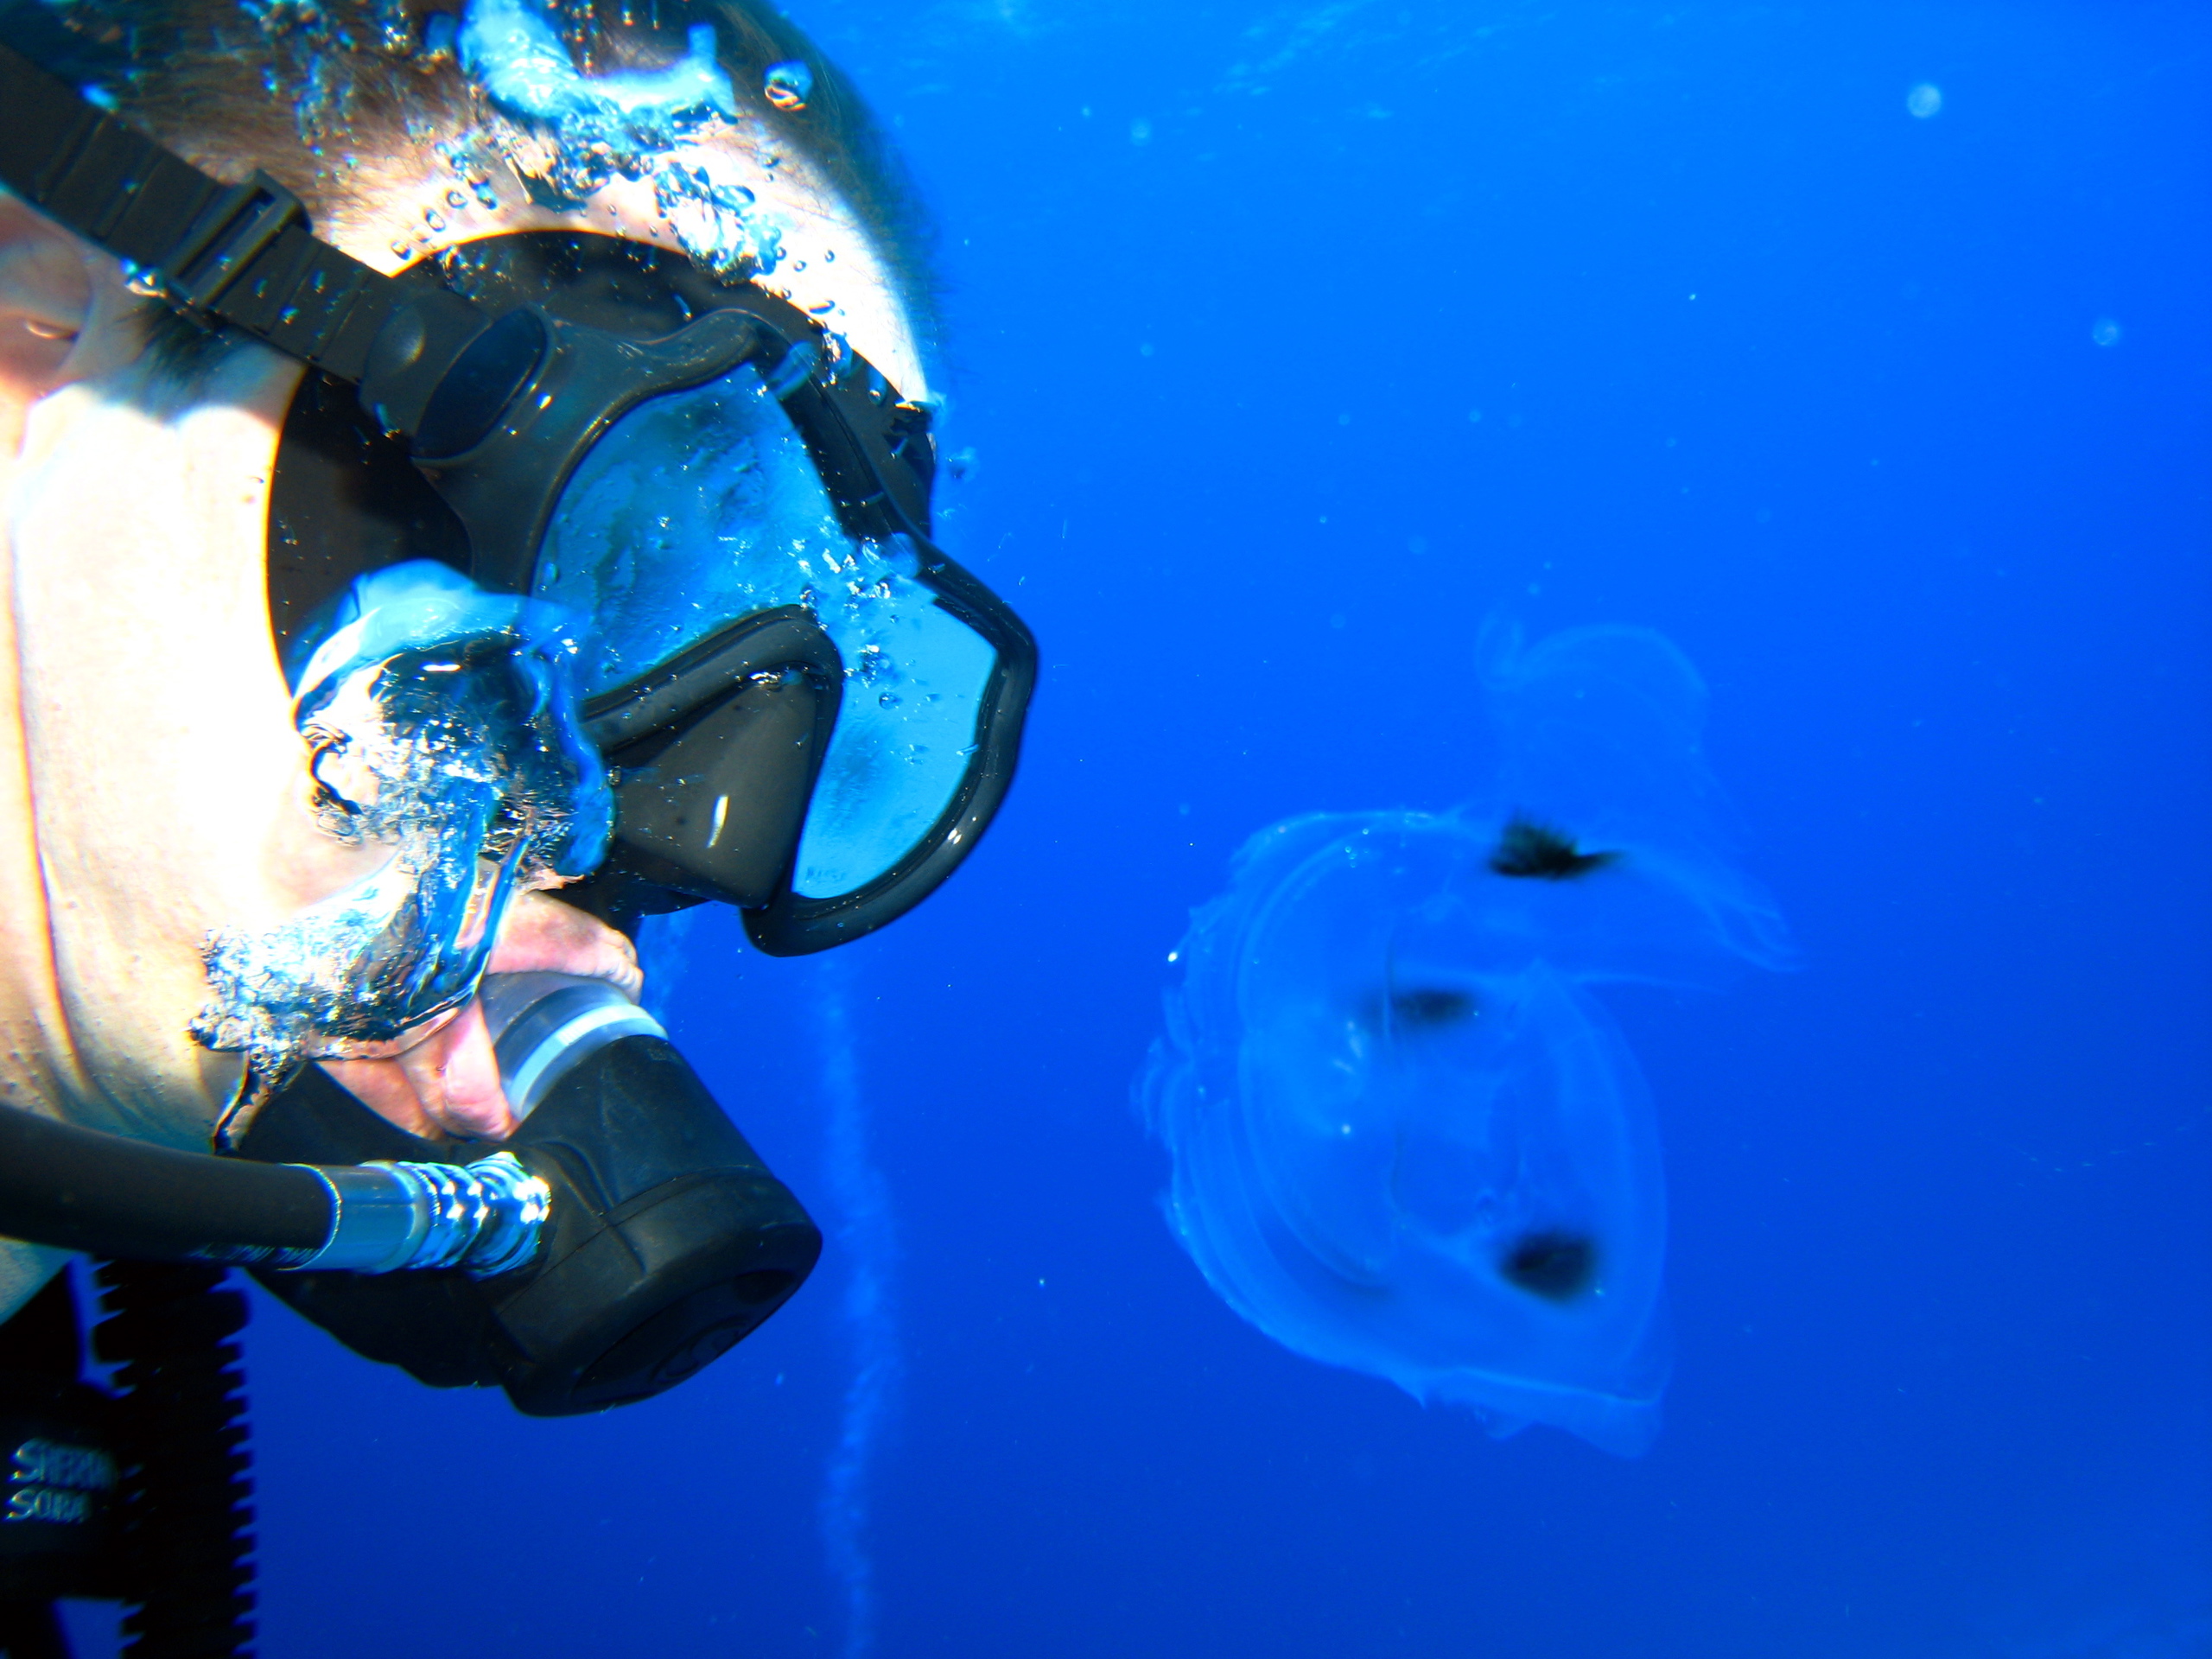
[{"x": 243, "y": 223}]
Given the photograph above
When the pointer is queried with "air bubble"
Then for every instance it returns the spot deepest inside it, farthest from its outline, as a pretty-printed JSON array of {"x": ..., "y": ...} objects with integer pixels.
[
  {"x": 788, "y": 85},
  {"x": 716, "y": 224}
]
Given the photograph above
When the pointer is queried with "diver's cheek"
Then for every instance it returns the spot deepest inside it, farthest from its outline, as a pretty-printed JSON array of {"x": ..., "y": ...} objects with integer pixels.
[{"x": 163, "y": 768}]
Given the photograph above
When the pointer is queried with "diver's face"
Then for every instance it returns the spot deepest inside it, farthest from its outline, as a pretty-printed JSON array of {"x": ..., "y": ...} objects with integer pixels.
[{"x": 169, "y": 791}]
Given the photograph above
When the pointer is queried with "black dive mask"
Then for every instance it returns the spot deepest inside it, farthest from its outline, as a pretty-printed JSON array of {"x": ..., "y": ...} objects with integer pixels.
[{"x": 807, "y": 709}]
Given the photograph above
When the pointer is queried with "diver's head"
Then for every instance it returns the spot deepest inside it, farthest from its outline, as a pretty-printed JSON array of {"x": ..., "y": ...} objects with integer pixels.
[
  {"x": 409, "y": 127},
  {"x": 611, "y": 313},
  {"x": 561, "y": 375}
]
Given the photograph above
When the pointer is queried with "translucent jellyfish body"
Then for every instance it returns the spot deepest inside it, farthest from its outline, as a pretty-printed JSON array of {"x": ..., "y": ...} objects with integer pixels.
[{"x": 1406, "y": 1139}]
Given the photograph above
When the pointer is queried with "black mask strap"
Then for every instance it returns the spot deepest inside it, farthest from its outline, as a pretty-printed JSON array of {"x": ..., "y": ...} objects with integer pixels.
[{"x": 238, "y": 254}]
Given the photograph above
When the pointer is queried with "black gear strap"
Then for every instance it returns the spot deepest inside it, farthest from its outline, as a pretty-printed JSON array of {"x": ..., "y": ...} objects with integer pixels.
[{"x": 240, "y": 254}]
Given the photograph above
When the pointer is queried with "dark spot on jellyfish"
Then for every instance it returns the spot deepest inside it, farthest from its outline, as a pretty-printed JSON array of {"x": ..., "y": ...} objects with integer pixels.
[
  {"x": 1427, "y": 1007},
  {"x": 1557, "y": 1267},
  {"x": 1528, "y": 849}
]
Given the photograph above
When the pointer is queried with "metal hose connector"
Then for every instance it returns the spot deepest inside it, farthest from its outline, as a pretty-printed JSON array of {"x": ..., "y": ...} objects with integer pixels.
[{"x": 483, "y": 1217}]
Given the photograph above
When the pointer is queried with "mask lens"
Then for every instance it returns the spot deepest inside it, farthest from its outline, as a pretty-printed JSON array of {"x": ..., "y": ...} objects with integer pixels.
[
  {"x": 702, "y": 506},
  {"x": 906, "y": 731}
]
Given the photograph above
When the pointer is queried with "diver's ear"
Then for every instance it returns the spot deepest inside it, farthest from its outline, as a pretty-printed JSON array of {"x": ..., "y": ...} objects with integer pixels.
[
  {"x": 65, "y": 314},
  {"x": 45, "y": 297}
]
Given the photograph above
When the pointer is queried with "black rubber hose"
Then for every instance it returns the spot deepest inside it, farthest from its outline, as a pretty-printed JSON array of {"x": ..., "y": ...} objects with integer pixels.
[{"x": 80, "y": 1189}]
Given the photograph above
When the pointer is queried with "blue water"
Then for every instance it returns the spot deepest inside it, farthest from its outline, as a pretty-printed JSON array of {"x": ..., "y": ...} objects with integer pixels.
[{"x": 1899, "y": 426}]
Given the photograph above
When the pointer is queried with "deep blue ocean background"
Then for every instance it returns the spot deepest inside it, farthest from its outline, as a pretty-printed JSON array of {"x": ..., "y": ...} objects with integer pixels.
[{"x": 1292, "y": 342}]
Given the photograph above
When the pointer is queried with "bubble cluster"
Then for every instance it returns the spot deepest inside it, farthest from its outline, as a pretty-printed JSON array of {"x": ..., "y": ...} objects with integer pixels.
[
  {"x": 598, "y": 127},
  {"x": 442, "y": 726},
  {"x": 720, "y": 225},
  {"x": 310, "y": 47}
]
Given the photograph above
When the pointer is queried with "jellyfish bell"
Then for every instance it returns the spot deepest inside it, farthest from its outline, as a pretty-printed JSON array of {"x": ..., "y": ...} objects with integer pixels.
[
  {"x": 1603, "y": 813},
  {"x": 1406, "y": 1138},
  {"x": 1450, "y": 1173}
]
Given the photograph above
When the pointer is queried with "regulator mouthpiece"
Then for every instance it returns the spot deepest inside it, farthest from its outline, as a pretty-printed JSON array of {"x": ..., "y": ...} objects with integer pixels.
[
  {"x": 545, "y": 1026},
  {"x": 623, "y": 1237}
]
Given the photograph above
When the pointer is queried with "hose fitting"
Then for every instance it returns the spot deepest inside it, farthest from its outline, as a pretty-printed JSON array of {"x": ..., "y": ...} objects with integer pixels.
[{"x": 482, "y": 1217}]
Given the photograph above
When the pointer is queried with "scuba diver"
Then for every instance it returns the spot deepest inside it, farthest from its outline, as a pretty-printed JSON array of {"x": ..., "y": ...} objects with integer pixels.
[{"x": 467, "y": 469}]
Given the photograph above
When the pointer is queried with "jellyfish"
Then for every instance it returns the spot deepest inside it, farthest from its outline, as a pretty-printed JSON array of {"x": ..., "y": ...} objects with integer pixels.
[{"x": 1406, "y": 1138}]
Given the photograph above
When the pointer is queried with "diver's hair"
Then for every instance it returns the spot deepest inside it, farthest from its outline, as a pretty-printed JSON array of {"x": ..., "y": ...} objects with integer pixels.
[{"x": 336, "y": 100}]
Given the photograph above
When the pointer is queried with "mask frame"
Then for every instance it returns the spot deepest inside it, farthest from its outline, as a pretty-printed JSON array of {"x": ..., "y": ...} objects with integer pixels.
[{"x": 346, "y": 499}]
